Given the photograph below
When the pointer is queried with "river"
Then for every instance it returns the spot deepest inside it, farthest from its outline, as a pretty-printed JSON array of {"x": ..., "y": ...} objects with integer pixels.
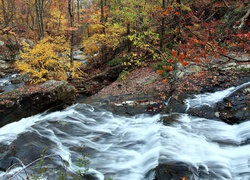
[{"x": 129, "y": 148}]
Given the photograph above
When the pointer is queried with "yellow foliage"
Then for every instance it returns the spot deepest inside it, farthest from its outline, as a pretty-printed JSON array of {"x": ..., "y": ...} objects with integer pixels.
[
  {"x": 111, "y": 38},
  {"x": 76, "y": 71},
  {"x": 183, "y": 6},
  {"x": 46, "y": 60}
]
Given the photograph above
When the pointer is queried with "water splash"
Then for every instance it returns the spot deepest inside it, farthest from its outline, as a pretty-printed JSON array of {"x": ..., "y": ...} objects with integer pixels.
[
  {"x": 129, "y": 148},
  {"x": 210, "y": 99}
]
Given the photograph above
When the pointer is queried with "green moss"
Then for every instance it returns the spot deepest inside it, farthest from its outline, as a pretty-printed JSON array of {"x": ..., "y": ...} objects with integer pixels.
[
  {"x": 115, "y": 62},
  {"x": 124, "y": 74},
  {"x": 244, "y": 69}
]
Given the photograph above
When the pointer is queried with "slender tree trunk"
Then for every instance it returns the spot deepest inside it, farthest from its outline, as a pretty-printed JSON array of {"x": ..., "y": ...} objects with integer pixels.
[
  {"x": 128, "y": 41},
  {"x": 8, "y": 10},
  {"x": 71, "y": 18},
  {"x": 102, "y": 12},
  {"x": 78, "y": 12},
  {"x": 180, "y": 18},
  {"x": 39, "y": 14},
  {"x": 103, "y": 49},
  {"x": 4, "y": 13},
  {"x": 162, "y": 25},
  {"x": 60, "y": 16}
]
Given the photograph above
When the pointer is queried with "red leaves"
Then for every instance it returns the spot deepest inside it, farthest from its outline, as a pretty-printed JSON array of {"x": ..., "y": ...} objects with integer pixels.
[
  {"x": 174, "y": 53},
  {"x": 160, "y": 71},
  {"x": 177, "y": 13},
  {"x": 197, "y": 60},
  {"x": 181, "y": 55},
  {"x": 170, "y": 68},
  {"x": 165, "y": 80},
  {"x": 184, "y": 63},
  {"x": 164, "y": 13}
]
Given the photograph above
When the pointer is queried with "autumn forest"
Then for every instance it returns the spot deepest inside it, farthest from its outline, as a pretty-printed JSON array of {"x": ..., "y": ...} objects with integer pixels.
[{"x": 43, "y": 34}]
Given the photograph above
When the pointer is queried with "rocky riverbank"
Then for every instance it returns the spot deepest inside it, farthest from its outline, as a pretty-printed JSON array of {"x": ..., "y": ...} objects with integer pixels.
[
  {"x": 143, "y": 91},
  {"x": 32, "y": 99}
]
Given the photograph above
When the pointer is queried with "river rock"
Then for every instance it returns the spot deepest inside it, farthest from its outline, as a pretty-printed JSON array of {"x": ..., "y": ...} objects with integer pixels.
[
  {"x": 236, "y": 107},
  {"x": 4, "y": 65},
  {"x": 239, "y": 57},
  {"x": 1, "y": 43},
  {"x": 33, "y": 99},
  {"x": 176, "y": 171}
]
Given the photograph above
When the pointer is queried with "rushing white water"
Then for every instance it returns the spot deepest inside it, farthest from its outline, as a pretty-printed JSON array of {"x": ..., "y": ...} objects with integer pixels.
[
  {"x": 131, "y": 147},
  {"x": 3, "y": 81},
  {"x": 210, "y": 99}
]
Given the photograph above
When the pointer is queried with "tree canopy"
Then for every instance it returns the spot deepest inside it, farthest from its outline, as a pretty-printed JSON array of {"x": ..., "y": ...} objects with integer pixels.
[{"x": 170, "y": 32}]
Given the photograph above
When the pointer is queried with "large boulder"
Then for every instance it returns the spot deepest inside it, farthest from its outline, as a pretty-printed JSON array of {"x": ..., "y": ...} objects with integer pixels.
[
  {"x": 236, "y": 107},
  {"x": 32, "y": 99}
]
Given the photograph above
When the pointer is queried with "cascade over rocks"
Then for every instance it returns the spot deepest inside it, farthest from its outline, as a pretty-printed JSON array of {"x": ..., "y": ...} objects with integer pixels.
[
  {"x": 33, "y": 99},
  {"x": 236, "y": 107},
  {"x": 154, "y": 101}
]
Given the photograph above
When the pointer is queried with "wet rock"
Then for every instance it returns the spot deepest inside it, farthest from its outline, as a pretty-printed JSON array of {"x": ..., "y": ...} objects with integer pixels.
[
  {"x": 28, "y": 148},
  {"x": 204, "y": 111},
  {"x": 228, "y": 66},
  {"x": 7, "y": 162},
  {"x": 33, "y": 99},
  {"x": 4, "y": 65},
  {"x": 176, "y": 104},
  {"x": 174, "y": 171},
  {"x": 239, "y": 57},
  {"x": 236, "y": 107}
]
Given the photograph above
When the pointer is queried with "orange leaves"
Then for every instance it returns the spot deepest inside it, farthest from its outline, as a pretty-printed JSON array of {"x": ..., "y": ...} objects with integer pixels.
[
  {"x": 184, "y": 63},
  {"x": 160, "y": 71},
  {"x": 164, "y": 13},
  {"x": 72, "y": 28},
  {"x": 170, "y": 9},
  {"x": 223, "y": 51},
  {"x": 170, "y": 68},
  {"x": 174, "y": 53},
  {"x": 177, "y": 13},
  {"x": 196, "y": 40},
  {"x": 181, "y": 58},
  {"x": 165, "y": 80},
  {"x": 197, "y": 60}
]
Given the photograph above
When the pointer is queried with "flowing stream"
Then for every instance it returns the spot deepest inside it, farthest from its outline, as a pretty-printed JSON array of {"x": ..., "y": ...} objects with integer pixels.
[{"x": 129, "y": 148}]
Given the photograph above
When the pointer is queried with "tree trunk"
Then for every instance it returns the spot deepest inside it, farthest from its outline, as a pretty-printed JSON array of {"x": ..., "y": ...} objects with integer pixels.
[
  {"x": 78, "y": 12},
  {"x": 71, "y": 18},
  {"x": 128, "y": 41},
  {"x": 39, "y": 14},
  {"x": 103, "y": 49},
  {"x": 60, "y": 7},
  {"x": 8, "y": 11},
  {"x": 4, "y": 13},
  {"x": 162, "y": 25}
]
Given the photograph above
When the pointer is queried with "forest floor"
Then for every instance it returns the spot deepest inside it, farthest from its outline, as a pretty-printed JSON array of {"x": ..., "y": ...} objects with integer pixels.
[{"x": 144, "y": 80}]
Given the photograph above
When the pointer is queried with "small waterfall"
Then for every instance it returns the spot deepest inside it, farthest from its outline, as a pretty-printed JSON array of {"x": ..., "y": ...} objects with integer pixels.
[
  {"x": 125, "y": 148},
  {"x": 210, "y": 99}
]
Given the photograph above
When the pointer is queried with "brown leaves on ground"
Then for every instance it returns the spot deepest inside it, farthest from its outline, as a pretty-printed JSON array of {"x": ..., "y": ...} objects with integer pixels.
[{"x": 140, "y": 80}]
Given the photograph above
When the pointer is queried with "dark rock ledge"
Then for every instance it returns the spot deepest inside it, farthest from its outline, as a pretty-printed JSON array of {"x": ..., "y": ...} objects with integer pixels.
[{"x": 32, "y": 99}]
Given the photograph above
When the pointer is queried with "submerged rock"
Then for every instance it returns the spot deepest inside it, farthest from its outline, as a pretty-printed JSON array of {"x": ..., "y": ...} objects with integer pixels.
[{"x": 30, "y": 100}]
